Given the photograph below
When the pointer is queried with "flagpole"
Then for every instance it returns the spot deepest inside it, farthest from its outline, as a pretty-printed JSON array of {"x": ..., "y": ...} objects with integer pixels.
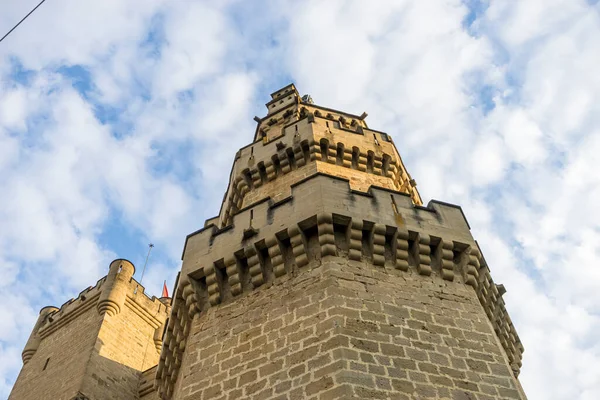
[{"x": 150, "y": 246}]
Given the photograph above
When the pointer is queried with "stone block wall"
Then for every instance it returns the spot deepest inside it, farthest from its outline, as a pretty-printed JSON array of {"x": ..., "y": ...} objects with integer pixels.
[
  {"x": 124, "y": 348},
  {"x": 57, "y": 368},
  {"x": 94, "y": 346},
  {"x": 305, "y": 139},
  {"x": 273, "y": 242},
  {"x": 146, "y": 388},
  {"x": 345, "y": 329}
]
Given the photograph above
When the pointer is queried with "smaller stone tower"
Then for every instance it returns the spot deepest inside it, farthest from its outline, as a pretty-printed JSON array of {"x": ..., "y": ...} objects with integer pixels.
[{"x": 100, "y": 345}]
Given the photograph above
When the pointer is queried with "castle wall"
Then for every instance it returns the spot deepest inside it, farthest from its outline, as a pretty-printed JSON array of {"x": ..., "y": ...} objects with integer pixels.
[
  {"x": 322, "y": 277},
  {"x": 347, "y": 328},
  {"x": 146, "y": 389},
  {"x": 124, "y": 348},
  {"x": 302, "y": 137},
  {"x": 97, "y": 345},
  {"x": 68, "y": 350}
]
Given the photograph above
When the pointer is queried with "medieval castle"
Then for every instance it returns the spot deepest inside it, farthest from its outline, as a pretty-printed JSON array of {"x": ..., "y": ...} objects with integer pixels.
[{"x": 322, "y": 277}]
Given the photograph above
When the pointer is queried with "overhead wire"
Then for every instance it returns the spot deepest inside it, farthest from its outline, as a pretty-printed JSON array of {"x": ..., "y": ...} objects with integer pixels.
[{"x": 24, "y": 18}]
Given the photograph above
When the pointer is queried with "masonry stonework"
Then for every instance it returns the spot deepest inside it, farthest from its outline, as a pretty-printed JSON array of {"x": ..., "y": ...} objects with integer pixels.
[
  {"x": 322, "y": 277},
  {"x": 95, "y": 346}
]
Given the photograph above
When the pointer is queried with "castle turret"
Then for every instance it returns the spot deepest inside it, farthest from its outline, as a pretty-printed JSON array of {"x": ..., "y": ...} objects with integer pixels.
[
  {"x": 323, "y": 276},
  {"x": 115, "y": 287},
  {"x": 34, "y": 339},
  {"x": 97, "y": 345}
]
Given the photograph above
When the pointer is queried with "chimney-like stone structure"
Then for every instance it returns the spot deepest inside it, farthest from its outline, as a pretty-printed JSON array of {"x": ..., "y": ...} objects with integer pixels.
[{"x": 324, "y": 277}]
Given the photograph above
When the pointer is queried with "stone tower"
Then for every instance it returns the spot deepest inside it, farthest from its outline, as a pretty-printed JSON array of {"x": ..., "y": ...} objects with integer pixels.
[
  {"x": 96, "y": 346},
  {"x": 324, "y": 277}
]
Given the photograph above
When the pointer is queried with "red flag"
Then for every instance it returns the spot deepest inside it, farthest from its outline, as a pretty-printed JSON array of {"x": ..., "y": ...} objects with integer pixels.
[{"x": 165, "y": 292}]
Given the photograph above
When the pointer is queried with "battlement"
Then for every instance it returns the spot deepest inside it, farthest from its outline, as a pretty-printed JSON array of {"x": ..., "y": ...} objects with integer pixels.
[
  {"x": 323, "y": 217},
  {"x": 323, "y": 276},
  {"x": 302, "y": 143},
  {"x": 101, "y": 296}
]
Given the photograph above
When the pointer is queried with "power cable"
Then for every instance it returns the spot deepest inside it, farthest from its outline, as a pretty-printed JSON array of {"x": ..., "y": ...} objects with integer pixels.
[{"x": 24, "y": 18}]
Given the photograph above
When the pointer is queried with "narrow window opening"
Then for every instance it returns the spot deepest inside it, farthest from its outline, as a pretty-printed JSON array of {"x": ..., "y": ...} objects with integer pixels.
[
  {"x": 265, "y": 262},
  {"x": 247, "y": 178},
  {"x": 340, "y": 233},
  {"x": 222, "y": 280},
  {"x": 287, "y": 254},
  {"x": 243, "y": 270},
  {"x": 276, "y": 165},
  {"x": 370, "y": 159},
  {"x": 436, "y": 260},
  {"x": 46, "y": 363},
  {"x": 390, "y": 241},
  {"x": 375, "y": 139},
  {"x": 165, "y": 330},
  {"x": 385, "y": 164},
  {"x": 262, "y": 172},
  {"x": 291, "y": 158},
  {"x": 312, "y": 243},
  {"x": 339, "y": 157},
  {"x": 324, "y": 150},
  {"x": 394, "y": 205},
  {"x": 413, "y": 251},
  {"x": 355, "y": 153},
  {"x": 367, "y": 240},
  {"x": 305, "y": 151}
]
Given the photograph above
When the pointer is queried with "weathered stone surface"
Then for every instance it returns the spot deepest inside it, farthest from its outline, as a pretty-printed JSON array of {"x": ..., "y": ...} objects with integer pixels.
[
  {"x": 322, "y": 277},
  {"x": 98, "y": 345}
]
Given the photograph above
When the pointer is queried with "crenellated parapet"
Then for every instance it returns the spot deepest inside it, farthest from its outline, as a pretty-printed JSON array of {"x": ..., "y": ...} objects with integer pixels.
[
  {"x": 34, "y": 339},
  {"x": 109, "y": 296},
  {"x": 324, "y": 217},
  {"x": 116, "y": 284},
  {"x": 71, "y": 309},
  {"x": 490, "y": 296},
  {"x": 298, "y": 139}
]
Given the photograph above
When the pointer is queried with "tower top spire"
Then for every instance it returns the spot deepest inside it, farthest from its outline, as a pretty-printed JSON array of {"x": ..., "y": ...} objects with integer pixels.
[{"x": 282, "y": 98}]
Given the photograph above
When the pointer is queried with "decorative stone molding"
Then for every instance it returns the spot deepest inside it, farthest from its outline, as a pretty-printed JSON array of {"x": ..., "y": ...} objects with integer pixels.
[
  {"x": 34, "y": 339},
  {"x": 402, "y": 248},
  {"x": 294, "y": 148},
  {"x": 316, "y": 185},
  {"x": 326, "y": 237},
  {"x": 383, "y": 244},
  {"x": 423, "y": 252},
  {"x": 445, "y": 258},
  {"x": 116, "y": 285}
]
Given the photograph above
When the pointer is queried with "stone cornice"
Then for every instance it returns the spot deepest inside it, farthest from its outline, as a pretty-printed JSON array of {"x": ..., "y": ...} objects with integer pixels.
[
  {"x": 361, "y": 150},
  {"x": 386, "y": 231}
]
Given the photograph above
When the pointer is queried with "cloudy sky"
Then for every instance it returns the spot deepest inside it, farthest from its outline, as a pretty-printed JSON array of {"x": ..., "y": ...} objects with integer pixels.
[{"x": 119, "y": 121}]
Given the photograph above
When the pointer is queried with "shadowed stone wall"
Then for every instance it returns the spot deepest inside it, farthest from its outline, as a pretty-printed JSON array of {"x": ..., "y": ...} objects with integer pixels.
[{"x": 347, "y": 329}]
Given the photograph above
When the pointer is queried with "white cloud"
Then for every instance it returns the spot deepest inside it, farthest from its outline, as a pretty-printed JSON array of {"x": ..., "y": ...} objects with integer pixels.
[
  {"x": 501, "y": 118},
  {"x": 515, "y": 157}
]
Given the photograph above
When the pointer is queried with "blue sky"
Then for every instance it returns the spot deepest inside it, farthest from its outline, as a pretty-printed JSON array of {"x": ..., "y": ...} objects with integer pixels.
[{"x": 119, "y": 121}]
